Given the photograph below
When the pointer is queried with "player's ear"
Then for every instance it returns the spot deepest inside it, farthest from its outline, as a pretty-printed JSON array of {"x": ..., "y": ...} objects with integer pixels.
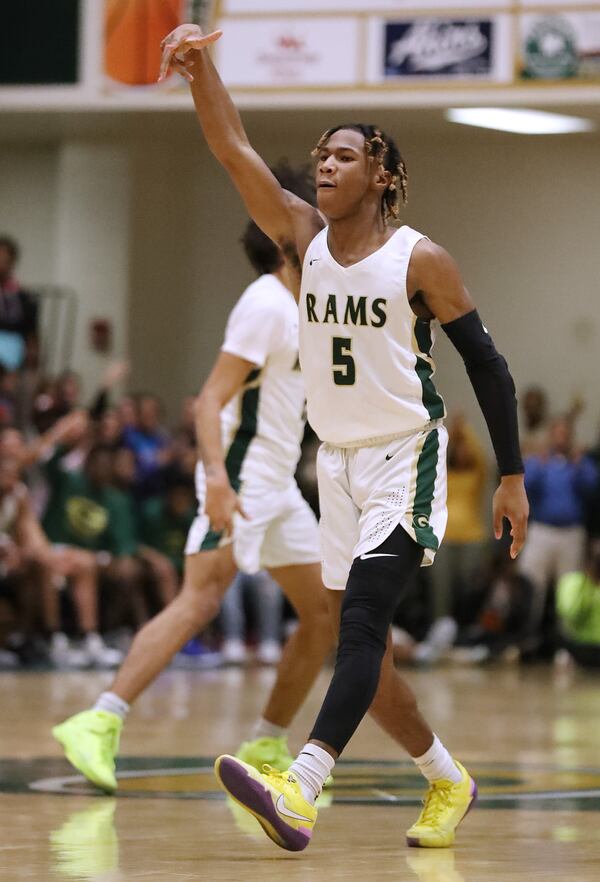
[{"x": 383, "y": 178}]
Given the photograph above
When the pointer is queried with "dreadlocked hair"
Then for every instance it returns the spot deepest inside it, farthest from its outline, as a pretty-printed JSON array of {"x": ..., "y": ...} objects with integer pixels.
[
  {"x": 384, "y": 149},
  {"x": 262, "y": 253}
]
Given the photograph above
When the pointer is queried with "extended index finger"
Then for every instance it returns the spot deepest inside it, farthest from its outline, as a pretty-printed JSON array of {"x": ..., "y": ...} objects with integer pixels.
[{"x": 167, "y": 57}]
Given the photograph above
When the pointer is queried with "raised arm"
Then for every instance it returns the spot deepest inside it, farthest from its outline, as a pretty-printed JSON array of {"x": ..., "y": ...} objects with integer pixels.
[
  {"x": 436, "y": 290},
  {"x": 289, "y": 222}
]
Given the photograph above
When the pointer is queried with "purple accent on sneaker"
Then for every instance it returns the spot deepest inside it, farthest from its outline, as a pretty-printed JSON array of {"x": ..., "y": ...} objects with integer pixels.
[
  {"x": 474, "y": 793},
  {"x": 412, "y": 842},
  {"x": 254, "y": 796}
]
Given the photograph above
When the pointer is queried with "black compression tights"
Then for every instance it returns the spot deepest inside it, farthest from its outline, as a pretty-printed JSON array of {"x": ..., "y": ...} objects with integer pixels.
[{"x": 373, "y": 590}]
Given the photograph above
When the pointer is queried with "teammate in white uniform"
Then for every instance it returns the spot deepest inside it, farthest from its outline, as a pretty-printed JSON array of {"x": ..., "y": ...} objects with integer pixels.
[
  {"x": 250, "y": 422},
  {"x": 367, "y": 297}
]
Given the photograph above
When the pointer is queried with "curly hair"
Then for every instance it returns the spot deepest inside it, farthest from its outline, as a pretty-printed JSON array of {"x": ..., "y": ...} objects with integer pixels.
[
  {"x": 262, "y": 253},
  {"x": 384, "y": 149}
]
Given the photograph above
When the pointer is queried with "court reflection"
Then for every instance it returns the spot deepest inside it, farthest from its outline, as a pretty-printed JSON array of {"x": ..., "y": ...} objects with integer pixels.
[
  {"x": 434, "y": 865},
  {"x": 86, "y": 846}
]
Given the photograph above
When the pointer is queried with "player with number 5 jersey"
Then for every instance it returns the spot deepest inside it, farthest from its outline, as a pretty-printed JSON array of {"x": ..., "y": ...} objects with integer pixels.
[{"x": 369, "y": 291}]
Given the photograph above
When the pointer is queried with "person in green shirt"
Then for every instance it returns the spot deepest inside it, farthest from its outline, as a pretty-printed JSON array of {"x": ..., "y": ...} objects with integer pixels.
[
  {"x": 166, "y": 520},
  {"x": 578, "y": 610},
  {"x": 85, "y": 511}
]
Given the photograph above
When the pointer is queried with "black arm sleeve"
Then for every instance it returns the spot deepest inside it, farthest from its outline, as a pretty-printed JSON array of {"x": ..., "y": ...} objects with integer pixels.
[{"x": 493, "y": 385}]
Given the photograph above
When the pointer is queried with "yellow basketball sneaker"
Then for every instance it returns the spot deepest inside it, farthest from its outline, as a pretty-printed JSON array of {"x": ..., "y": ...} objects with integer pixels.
[
  {"x": 270, "y": 752},
  {"x": 274, "y": 798},
  {"x": 266, "y": 752},
  {"x": 91, "y": 742},
  {"x": 445, "y": 805}
]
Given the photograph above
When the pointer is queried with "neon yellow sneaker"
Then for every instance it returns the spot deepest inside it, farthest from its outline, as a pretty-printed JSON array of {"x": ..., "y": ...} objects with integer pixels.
[
  {"x": 274, "y": 798},
  {"x": 266, "y": 752},
  {"x": 91, "y": 742},
  {"x": 270, "y": 752},
  {"x": 445, "y": 805},
  {"x": 86, "y": 846}
]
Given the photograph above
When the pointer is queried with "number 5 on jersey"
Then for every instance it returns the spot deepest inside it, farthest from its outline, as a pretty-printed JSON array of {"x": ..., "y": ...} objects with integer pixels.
[{"x": 344, "y": 369}]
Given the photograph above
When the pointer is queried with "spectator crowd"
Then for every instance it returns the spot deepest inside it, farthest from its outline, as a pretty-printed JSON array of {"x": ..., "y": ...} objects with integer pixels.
[{"x": 96, "y": 500}]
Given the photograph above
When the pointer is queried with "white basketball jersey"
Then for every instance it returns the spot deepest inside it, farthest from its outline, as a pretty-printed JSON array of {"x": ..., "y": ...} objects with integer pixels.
[
  {"x": 365, "y": 356},
  {"x": 263, "y": 424}
]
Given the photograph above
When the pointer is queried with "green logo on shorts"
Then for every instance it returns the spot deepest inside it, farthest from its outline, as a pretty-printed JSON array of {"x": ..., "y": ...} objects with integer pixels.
[{"x": 421, "y": 521}]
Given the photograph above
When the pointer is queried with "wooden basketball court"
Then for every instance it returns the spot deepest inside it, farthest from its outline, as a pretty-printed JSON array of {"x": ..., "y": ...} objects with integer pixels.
[{"x": 531, "y": 737}]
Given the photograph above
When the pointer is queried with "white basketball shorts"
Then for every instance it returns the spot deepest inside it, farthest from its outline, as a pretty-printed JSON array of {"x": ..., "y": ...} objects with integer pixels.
[
  {"x": 281, "y": 529},
  {"x": 365, "y": 492}
]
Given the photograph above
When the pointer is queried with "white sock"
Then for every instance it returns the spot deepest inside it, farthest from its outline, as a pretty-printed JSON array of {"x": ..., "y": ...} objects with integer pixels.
[
  {"x": 264, "y": 729},
  {"x": 110, "y": 701},
  {"x": 437, "y": 764},
  {"x": 312, "y": 767}
]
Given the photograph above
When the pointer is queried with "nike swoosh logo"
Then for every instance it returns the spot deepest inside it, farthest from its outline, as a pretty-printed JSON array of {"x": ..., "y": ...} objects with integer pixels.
[
  {"x": 367, "y": 556},
  {"x": 390, "y": 455},
  {"x": 314, "y": 260},
  {"x": 284, "y": 810}
]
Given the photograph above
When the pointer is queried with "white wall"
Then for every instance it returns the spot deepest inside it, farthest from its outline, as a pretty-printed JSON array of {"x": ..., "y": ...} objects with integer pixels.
[
  {"x": 27, "y": 202},
  {"x": 521, "y": 215}
]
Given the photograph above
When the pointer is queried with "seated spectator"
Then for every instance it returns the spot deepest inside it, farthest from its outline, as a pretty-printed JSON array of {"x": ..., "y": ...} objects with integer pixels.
[
  {"x": 166, "y": 520},
  {"x": 455, "y": 574},
  {"x": 164, "y": 524},
  {"x": 151, "y": 445},
  {"x": 578, "y": 610},
  {"x": 109, "y": 431},
  {"x": 27, "y": 558},
  {"x": 18, "y": 309},
  {"x": 266, "y": 602},
  {"x": 86, "y": 511},
  {"x": 501, "y": 624},
  {"x": 559, "y": 481}
]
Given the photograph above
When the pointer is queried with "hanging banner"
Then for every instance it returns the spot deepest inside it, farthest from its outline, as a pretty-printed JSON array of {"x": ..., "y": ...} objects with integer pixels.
[
  {"x": 564, "y": 46},
  {"x": 448, "y": 48},
  {"x": 323, "y": 7},
  {"x": 289, "y": 51}
]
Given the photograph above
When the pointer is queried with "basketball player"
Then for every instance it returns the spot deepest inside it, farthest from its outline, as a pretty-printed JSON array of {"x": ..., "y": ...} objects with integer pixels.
[
  {"x": 368, "y": 293},
  {"x": 249, "y": 423}
]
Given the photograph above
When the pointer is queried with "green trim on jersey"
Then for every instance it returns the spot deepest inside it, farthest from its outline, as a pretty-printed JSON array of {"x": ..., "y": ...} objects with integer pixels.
[
  {"x": 424, "y": 490},
  {"x": 239, "y": 446},
  {"x": 431, "y": 399}
]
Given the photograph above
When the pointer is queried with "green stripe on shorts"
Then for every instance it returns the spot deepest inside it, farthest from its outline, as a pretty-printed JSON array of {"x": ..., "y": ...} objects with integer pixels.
[
  {"x": 238, "y": 448},
  {"x": 426, "y": 474}
]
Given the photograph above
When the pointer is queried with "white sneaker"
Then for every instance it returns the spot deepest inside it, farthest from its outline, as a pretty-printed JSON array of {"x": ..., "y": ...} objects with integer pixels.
[
  {"x": 234, "y": 652},
  {"x": 438, "y": 640},
  {"x": 63, "y": 655},
  {"x": 269, "y": 653},
  {"x": 8, "y": 659},
  {"x": 99, "y": 654}
]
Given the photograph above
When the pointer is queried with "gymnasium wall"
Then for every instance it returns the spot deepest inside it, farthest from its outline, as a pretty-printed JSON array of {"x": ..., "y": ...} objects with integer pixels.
[{"x": 521, "y": 215}]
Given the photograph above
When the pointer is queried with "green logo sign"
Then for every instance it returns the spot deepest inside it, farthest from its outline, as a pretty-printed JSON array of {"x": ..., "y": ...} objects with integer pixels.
[{"x": 550, "y": 50}]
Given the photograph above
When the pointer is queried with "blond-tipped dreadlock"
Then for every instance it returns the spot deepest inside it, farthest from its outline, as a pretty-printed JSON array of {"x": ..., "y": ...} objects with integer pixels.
[{"x": 383, "y": 148}]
